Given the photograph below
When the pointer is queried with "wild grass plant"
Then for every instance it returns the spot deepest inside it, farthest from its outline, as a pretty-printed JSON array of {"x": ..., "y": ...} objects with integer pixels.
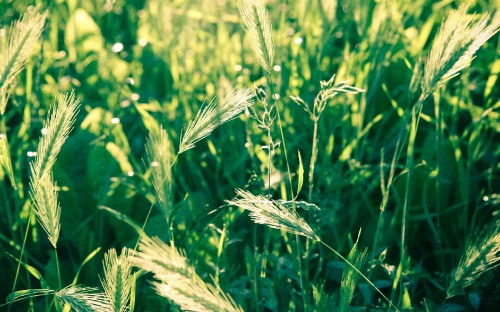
[{"x": 361, "y": 137}]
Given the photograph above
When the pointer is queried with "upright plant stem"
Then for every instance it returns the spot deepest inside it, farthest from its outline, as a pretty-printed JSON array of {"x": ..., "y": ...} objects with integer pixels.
[
  {"x": 297, "y": 243},
  {"x": 58, "y": 269},
  {"x": 314, "y": 154}
]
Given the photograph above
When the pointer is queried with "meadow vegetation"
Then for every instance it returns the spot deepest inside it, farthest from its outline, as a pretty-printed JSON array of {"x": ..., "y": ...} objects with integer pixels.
[{"x": 249, "y": 155}]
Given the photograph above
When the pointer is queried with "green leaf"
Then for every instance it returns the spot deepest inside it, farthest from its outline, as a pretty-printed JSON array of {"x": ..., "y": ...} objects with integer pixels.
[
  {"x": 28, "y": 293},
  {"x": 87, "y": 259},
  {"x": 300, "y": 173},
  {"x": 36, "y": 274}
]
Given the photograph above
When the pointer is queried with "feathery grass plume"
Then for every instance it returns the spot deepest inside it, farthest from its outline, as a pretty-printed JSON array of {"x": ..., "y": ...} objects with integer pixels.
[
  {"x": 56, "y": 131},
  {"x": 83, "y": 299},
  {"x": 17, "y": 48},
  {"x": 177, "y": 280},
  {"x": 159, "y": 155},
  {"x": 350, "y": 277},
  {"x": 458, "y": 39},
  {"x": 259, "y": 31},
  {"x": 272, "y": 213},
  {"x": 118, "y": 279},
  {"x": 47, "y": 209},
  {"x": 482, "y": 253},
  {"x": 215, "y": 114}
]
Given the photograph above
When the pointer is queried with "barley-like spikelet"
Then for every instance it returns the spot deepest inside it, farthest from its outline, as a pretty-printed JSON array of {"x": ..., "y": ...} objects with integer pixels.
[
  {"x": 160, "y": 155},
  {"x": 177, "y": 280},
  {"x": 16, "y": 49},
  {"x": 481, "y": 254},
  {"x": 453, "y": 49},
  {"x": 213, "y": 115},
  {"x": 350, "y": 277},
  {"x": 48, "y": 212},
  {"x": 259, "y": 31},
  {"x": 118, "y": 279},
  {"x": 272, "y": 213},
  {"x": 56, "y": 129},
  {"x": 83, "y": 299}
]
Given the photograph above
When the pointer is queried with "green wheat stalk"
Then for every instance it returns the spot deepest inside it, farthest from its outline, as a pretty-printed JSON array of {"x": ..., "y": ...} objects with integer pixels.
[
  {"x": 453, "y": 49},
  {"x": 118, "y": 279},
  {"x": 16, "y": 49},
  {"x": 57, "y": 129},
  {"x": 216, "y": 113},
  {"x": 177, "y": 280},
  {"x": 275, "y": 215},
  {"x": 159, "y": 155},
  {"x": 481, "y": 254},
  {"x": 259, "y": 31},
  {"x": 83, "y": 299}
]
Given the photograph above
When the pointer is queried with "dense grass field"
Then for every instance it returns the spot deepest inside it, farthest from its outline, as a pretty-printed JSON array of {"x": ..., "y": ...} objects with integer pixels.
[{"x": 249, "y": 155}]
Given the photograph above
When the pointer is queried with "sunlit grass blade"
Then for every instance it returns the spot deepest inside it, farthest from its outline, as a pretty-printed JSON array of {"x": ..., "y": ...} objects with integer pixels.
[
  {"x": 213, "y": 115},
  {"x": 16, "y": 48},
  {"x": 55, "y": 132},
  {"x": 259, "y": 31},
  {"x": 118, "y": 279},
  {"x": 160, "y": 156},
  {"x": 177, "y": 280},
  {"x": 481, "y": 254},
  {"x": 46, "y": 206},
  {"x": 272, "y": 213},
  {"x": 83, "y": 299},
  {"x": 458, "y": 39},
  {"x": 350, "y": 277}
]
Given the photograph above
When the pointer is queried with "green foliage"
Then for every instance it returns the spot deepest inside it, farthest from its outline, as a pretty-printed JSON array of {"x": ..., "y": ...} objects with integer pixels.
[{"x": 393, "y": 104}]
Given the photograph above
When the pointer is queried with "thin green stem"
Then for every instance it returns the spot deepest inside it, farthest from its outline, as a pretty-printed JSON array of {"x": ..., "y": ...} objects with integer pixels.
[
  {"x": 314, "y": 154},
  {"x": 58, "y": 269}
]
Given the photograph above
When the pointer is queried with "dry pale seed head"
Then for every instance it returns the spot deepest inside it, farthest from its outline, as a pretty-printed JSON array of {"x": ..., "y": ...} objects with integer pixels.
[
  {"x": 215, "y": 114},
  {"x": 84, "y": 299},
  {"x": 160, "y": 156},
  {"x": 272, "y": 213},
  {"x": 177, "y": 280},
  {"x": 459, "y": 38},
  {"x": 118, "y": 279},
  {"x": 481, "y": 254},
  {"x": 259, "y": 31},
  {"x": 46, "y": 206},
  {"x": 16, "y": 49}
]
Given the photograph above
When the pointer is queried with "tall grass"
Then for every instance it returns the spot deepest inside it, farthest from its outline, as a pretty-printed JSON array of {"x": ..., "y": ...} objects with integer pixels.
[{"x": 349, "y": 118}]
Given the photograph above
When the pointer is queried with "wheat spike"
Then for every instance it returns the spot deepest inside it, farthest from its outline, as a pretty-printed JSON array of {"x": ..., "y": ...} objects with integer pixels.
[
  {"x": 16, "y": 49},
  {"x": 118, "y": 280},
  {"x": 213, "y": 115},
  {"x": 481, "y": 254},
  {"x": 57, "y": 129},
  {"x": 48, "y": 212},
  {"x": 177, "y": 280},
  {"x": 259, "y": 31},
  {"x": 83, "y": 299},
  {"x": 160, "y": 156},
  {"x": 272, "y": 213},
  {"x": 458, "y": 39}
]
